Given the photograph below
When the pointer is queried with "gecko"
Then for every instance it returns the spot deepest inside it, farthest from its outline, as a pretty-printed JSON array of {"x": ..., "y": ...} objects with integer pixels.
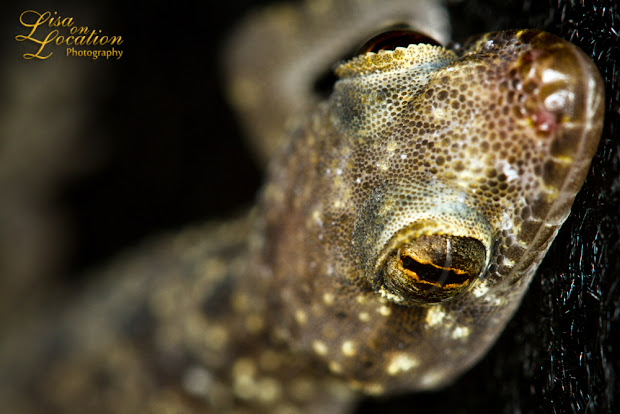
[{"x": 400, "y": 223}]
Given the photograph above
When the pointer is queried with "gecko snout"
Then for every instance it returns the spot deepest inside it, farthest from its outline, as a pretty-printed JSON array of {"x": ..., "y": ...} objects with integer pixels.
[{"x": 559, "y": 83}]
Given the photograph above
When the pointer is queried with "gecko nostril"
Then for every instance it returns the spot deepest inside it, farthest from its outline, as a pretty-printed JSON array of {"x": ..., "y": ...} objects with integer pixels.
[
  {"x": 562, "y": 98},
  {"x": 559, "y": 74}
]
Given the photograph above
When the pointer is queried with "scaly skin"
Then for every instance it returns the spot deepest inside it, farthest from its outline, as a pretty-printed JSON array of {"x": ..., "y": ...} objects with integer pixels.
[{"x": 423, "y": 164}]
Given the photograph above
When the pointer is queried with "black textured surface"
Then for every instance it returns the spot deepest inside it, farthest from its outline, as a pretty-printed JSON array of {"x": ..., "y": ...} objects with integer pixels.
[{"x": 175, "y": 156}]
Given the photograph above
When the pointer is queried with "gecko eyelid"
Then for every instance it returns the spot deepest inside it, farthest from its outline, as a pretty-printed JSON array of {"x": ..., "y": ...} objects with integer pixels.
[
  {"x": 396, "y": 36},
  {"x": 399, "y": 35},
  {"x": 434, "y": 268}
]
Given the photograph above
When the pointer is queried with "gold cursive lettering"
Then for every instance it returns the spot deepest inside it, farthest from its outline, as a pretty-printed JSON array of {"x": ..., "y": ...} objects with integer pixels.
[
  {"x": 33, "y": 20},
  {"x": 41, "y": 18}
]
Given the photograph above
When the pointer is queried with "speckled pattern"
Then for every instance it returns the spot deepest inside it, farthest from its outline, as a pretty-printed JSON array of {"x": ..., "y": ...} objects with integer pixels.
[
  {"x": 460, "y": 154},
  {"x": 286, "y": 309}
]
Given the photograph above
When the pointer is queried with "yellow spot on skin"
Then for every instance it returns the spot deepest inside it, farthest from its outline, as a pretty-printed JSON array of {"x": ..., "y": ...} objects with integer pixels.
[
  {"x": 348, "y": 348},
  {"x": 434, "y": 316},
  {"x": 244, "y": 387},
  {"x": 373, "y": 389},
  {"x": 328, "y": 298},
  {"x": 390, "y": 297},
  {"x": 460, "y": 332},
  {"x": 494, "y": 300},
  {"x": 254, "y": 323},
  {"x": 361, "y": 299},
  {"x": 384, "y": 310},
  {"x": 240, "y": 303},
  {"x": 319, "y": 347},
  {"x": 335, "y": 367},
  {"x": 243, "y": 367},
  {"x": 268, "y": 390},
  {"x": 197, "y": 381},
  {"x": 432, "y": 379},
  {"x": 401, "y": 363},
  {"x": 364, "y": 316},
  {"x": 247, "y": 387},
  {"x": 480, "y": 290},
  {"x": 301, "y": 317},
  {"x": 316, "y": 216}
]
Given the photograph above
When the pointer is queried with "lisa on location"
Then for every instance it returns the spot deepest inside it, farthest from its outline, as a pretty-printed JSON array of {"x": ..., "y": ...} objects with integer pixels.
[{"x": 77, "y": 35}]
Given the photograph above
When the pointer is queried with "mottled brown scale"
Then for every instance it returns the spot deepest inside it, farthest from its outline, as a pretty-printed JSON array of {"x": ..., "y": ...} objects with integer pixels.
[{"x": 400, "y": 224}]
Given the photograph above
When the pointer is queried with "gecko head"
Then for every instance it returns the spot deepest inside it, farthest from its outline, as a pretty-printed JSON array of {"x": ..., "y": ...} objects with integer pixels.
[
  {"x": 465, "y": 165},
  {"x": 453, "y": 172},
  {"x": 462, "y": 151}
]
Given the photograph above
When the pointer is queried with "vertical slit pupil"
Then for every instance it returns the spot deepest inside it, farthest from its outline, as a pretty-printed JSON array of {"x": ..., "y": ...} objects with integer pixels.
[{"x": 434, "y": 274}]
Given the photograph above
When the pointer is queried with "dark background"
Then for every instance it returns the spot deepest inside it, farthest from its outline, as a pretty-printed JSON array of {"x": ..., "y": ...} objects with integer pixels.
[{"x": 170, "y": 154}]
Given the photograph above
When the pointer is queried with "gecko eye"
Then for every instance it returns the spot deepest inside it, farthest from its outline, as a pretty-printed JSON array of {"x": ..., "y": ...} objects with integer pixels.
[
  {"x": 398, "y": 36},
  {"x": 434, "y": 268}
]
